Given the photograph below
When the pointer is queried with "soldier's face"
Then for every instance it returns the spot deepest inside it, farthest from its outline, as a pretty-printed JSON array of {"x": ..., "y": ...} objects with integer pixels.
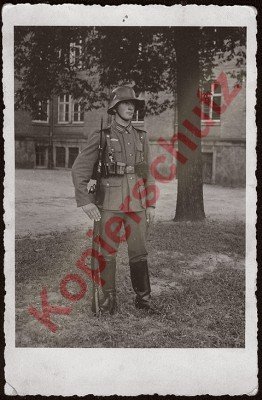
[{"x": 125, "y": 110}]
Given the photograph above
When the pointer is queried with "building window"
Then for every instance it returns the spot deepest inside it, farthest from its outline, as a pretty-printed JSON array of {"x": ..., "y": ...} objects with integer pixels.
[
  {"x": 139, "y": 116},
  {"x": 60, "y": 157},
  {"x": 41, "y": 112},
  {"x": 211, "y": 103},
  {"x": 76, "y": 54},
  {"x": 73, "y": 153},
  {"x": 69, "y": 110},
  {"x": 63, "y": 108},
  {"x": 41, "y": 156},
  {"x": 78, "y": 112},
  {"x": 72, "y": 55}
]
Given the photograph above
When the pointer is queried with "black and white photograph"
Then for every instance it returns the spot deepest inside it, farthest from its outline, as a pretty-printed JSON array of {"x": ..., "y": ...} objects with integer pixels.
[{"x": 130, "y": 199}]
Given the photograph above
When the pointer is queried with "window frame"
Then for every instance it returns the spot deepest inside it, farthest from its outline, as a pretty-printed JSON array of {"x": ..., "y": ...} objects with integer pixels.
[
  {"x": 44, "y": 152},
  {"x": 79, "y": 112},
  {"x": 64, "y": 112},
  {"x": 137, "y": 120},
  {"x": 56, "y": 158},
  {"x": 74, "y": 61},
  {"x": 40, "y": 121},
  {"x": 211, "y": 111},
  {"x": 71, "y": 111}
]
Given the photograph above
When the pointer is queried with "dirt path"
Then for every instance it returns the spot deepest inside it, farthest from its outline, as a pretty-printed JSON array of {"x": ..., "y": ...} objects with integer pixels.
[{"x": 45, "y": 203}]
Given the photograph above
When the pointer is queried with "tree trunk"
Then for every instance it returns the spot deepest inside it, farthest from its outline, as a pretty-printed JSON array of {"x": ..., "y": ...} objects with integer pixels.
[{"x": 190, "y": 204}]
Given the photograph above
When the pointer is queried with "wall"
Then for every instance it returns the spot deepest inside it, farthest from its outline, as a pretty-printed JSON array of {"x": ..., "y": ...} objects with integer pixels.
[
  {"x": 225, "y": 141},
  {"x": 24, "y": 154},
  {"x": 156, "y": 151},
  {"x": 162, "y": 125},
  {"x": 230, "y": 165},
  {"x": 233, "y": 121}
]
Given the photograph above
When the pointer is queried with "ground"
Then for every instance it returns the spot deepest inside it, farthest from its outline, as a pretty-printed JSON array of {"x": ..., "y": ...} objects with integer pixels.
[
  {"x": 197, "y": 271},
  {"x": 45, "y": 203}
]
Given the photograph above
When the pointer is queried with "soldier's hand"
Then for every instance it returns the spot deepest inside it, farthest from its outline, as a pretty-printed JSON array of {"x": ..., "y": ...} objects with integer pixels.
[
  {"x": 92, "y": 211},
  {"x": 150, "y": 215}
]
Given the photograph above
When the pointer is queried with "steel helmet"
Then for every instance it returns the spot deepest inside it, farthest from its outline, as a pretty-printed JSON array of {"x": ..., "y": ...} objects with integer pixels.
[{"x": 123, "y": 93}]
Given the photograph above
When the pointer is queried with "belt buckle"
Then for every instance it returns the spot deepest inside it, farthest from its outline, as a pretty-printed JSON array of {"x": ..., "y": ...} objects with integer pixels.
[{"x": 129, "y": 169}]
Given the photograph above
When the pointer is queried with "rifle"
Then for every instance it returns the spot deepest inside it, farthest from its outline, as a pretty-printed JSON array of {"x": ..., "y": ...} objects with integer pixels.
[{"x": 96, "y": 230}]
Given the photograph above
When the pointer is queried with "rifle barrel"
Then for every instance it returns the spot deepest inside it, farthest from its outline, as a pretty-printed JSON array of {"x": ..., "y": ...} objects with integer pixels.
[
  {"x": 96, "y": 230},
  {"x": 99, "y": 166}
]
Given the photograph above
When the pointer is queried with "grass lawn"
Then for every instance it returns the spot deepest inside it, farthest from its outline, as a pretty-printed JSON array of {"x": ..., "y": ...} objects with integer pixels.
[{"x": 198, "y": 284}]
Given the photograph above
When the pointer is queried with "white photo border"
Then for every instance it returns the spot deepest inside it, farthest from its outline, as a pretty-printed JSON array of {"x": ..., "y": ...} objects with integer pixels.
[{"x": 49, "y": 371}]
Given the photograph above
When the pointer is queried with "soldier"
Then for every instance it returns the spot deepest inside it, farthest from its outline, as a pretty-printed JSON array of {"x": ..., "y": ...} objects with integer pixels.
[{"x": 127, "y": 195}]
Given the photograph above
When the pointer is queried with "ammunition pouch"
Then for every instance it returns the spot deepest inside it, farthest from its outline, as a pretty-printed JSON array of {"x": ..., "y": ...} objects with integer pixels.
[
  {"x": 141, "y": 169},
  {"x": 113, "y": 169}
]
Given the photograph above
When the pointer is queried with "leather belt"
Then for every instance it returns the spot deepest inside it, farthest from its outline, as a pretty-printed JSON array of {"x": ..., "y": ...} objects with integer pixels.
[{"x": 129, "y": 169}]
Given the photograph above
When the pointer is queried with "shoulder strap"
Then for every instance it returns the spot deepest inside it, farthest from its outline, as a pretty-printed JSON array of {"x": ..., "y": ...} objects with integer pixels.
[
  {"x": 107, "y": 137},
  {"x": 106, "y": 132},
  {"x": 141, "y": 134}
]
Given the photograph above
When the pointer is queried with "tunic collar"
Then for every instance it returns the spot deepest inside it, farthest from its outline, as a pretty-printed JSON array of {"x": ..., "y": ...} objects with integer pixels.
[{"x": 121, "y": 128}]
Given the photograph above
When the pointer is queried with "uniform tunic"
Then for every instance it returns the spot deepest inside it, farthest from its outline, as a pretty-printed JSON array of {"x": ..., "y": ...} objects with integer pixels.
[
  {"x": 127, "y": 192},
  {"x": 120, "y": 195}
]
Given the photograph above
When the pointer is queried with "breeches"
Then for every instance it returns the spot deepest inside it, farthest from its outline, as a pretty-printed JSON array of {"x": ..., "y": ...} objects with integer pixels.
[{"x": 117, "y": 227}]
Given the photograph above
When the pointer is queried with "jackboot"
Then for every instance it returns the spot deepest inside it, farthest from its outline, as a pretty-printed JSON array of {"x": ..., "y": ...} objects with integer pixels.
[
  {"x": 108, "y": 304},
  {"x": 141, "y": 285}
]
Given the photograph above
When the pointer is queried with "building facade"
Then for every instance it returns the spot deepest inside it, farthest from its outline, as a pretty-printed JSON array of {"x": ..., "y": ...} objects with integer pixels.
[{"x": 53, "y": 136}]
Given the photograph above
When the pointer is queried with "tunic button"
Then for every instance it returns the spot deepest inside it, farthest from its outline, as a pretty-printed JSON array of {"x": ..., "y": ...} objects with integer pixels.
[
  {"x": 130, "y": 154},
  {"x": 107, "y": 184},
  {"x": 128, "y": 142},
  {"x": 131, "y": 177}
]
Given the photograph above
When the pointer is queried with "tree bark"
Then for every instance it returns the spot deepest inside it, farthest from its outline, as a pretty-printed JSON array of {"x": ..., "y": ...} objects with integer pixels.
[{"x": 190, "y": 204}]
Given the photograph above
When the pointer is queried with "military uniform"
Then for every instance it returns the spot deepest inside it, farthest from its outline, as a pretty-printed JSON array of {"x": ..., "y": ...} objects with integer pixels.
[{"x": 123, "y": 200}]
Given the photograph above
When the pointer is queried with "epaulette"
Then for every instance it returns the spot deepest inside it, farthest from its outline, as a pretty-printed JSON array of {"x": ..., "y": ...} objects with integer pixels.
[
  {"x": 142, "y": 134},
  {"x": 140, "y": 130}
]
